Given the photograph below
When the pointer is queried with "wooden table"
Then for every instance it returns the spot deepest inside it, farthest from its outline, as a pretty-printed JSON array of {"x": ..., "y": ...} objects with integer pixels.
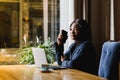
[{"x": 31, "y": 72}]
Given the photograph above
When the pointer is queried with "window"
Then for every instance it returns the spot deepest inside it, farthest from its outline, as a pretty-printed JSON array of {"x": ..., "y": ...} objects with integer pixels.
[
  {"x": 43, "y": 20},
  {"x": 9, "y": 24},
  {"x": 23, "y": 21}
]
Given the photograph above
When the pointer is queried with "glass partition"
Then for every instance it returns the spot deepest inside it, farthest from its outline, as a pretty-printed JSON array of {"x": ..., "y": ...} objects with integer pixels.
[
  {"x": 9, "y": 24},
  {"x": 40, "y": 20},
  {"x": 24, "y": 21}
]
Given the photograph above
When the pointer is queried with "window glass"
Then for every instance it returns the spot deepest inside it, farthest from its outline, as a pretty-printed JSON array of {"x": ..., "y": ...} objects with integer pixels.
[
  {"x": 40, "y": 21},
  {"x": 23, "y": 21},
  {"x": 9, "y": 24}
]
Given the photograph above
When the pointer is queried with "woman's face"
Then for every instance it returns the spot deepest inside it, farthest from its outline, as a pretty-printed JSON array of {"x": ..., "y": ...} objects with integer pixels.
[{"x": 75, "y": 31}]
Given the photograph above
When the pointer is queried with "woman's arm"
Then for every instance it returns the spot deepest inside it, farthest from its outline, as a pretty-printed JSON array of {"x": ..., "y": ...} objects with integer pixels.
[
  {"x": 59, "y": 45},
  {"x": 82, "y": 56},
  {"x": 59, "y": 52}
]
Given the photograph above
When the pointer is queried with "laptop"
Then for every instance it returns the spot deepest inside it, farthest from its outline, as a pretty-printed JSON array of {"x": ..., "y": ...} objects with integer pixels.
[
  {"x": 40, "y": 58},
  {"x": 55, "y": 67}
]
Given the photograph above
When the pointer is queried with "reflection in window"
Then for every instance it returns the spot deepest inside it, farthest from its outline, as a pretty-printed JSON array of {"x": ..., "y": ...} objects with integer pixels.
[
  {"x": 53, "y": 19},
  {"x": 9, "y": 25},
  {"x": 43, "y": 20},
  {"x": 23, "y": 21}
]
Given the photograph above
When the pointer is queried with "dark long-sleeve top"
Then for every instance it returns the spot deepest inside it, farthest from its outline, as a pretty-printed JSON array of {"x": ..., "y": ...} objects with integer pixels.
[{"x": 79, "y": 56}]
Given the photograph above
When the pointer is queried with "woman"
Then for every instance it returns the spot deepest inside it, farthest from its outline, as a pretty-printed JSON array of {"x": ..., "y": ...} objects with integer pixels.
[{"x": 80, "y": 55}]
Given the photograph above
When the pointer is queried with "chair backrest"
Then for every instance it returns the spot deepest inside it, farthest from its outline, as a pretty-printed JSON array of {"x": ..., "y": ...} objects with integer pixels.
[{"x": 109, "y": 61}]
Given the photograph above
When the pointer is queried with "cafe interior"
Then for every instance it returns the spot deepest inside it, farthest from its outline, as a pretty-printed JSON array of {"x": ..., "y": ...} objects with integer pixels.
[{"x": 27, "y": 23}]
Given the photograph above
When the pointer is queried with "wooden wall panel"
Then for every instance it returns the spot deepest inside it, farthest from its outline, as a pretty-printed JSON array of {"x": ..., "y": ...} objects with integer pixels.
[
  {"x": 117, "y": 19},
  {"x": 78, "y": 8}
]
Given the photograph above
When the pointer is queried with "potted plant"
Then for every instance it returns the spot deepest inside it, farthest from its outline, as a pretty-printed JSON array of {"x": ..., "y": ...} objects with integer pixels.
[{"x": 26, "y": 56}]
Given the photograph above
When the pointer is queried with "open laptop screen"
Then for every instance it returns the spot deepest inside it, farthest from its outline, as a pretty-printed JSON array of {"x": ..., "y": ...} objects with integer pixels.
[{"x": 39, "y": 56}]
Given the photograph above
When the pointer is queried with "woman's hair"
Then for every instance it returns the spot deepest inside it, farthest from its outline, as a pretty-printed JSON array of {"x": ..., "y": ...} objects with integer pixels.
[{"x": 85, "y": 33}]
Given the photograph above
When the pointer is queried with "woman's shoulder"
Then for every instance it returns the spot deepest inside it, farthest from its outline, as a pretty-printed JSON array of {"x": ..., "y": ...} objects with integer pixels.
[
  {"x": 87, "y": 44},
  {"x": 72, "y": 44}
]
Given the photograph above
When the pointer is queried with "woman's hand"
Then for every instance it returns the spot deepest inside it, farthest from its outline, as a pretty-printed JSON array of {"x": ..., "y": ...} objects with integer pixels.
[
  {"x": 63, "y": 58},
  {"x": 61, "y": 39}
]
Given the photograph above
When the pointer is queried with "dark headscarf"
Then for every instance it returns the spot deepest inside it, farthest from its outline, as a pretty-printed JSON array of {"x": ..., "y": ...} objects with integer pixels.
[{"x": 85, "y": 33}]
